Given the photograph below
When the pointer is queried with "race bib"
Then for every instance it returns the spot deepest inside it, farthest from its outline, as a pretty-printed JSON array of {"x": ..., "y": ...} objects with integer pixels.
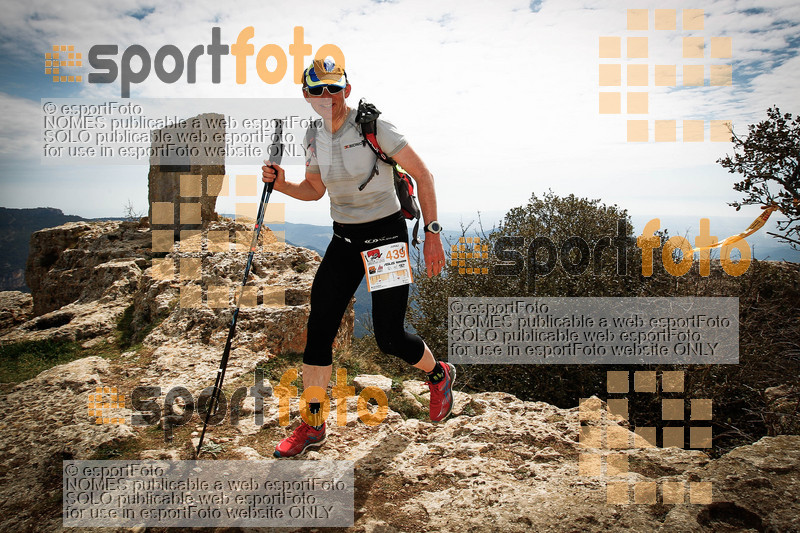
[{"x": 387, "y": 266}]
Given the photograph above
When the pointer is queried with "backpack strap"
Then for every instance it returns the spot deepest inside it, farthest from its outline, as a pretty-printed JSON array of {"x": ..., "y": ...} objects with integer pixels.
[{"x": 367, "y": 118}]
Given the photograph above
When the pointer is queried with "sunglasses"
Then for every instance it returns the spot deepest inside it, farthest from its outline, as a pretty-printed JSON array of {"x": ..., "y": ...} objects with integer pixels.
[{"x": 317, "y": 91}]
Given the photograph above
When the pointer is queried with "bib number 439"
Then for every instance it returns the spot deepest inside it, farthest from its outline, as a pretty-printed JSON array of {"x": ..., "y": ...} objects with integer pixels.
[{"x": 387, "y": 266}]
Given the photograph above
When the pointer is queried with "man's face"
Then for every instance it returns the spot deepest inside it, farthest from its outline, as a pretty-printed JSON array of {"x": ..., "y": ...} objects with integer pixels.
[{"x": 327, "y": 105}]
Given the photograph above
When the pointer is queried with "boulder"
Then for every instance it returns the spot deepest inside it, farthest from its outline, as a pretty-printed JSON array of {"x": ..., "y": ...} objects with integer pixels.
[
  {"x": 363, "y": 381},
  {"x": 280, "y": 277},
  {"x": 83, "y": 276},
  {"x": 752, "y": 488},
  {"x": 84, "y": 261},
  {"x": 73, "y": 322},
  {"x": 503, "y": 464}
]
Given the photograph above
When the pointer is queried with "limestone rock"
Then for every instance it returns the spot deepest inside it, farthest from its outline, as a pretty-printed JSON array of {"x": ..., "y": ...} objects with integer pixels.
[
  {"x": 85, "y": 261},
  {"x": 416, "y": 387},
  {"x": 280, "y": 276},
  {"x": 510, "y": 468},
  {"x": 753, "y": 488},
  {"x": 363, "y": 381},
  {"x": 15, "y": 308},
  {"x": 85, "y": 275},
  {"x": 46, "y": 249},
  {"x": 411, "y": 399},
  {"x": 498, "y": 463},
  {"x": 160, "y": 455},
  {"x": 75, "y": 321},
  {"x": 45, "y": 421},
  {"x": 507, "y": 465},
  {"x": 248, "y": 454},
  {"x": 104, "y": 294}
]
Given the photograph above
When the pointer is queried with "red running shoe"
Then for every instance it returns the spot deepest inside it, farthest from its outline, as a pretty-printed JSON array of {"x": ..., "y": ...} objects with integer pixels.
[
  {"x": 442, "y": 394},
  {"x": 302, "y": 438}
]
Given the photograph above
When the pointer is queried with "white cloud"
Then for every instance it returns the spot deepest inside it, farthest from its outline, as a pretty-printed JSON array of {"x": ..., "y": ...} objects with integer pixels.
[
  {"x": 21, "y": 131},
  {"x": 500, "y": 101}
]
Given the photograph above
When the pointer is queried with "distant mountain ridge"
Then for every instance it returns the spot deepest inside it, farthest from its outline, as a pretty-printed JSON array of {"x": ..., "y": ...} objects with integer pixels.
[{"x": 306, "y": 235}]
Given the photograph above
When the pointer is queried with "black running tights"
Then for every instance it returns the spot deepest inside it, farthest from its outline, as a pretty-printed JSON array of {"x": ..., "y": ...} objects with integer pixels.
[{"x": 337, "y": 279}]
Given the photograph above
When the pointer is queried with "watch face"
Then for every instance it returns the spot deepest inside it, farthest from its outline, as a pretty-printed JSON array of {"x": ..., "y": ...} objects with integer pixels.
[{"x": 434, "y": 227}]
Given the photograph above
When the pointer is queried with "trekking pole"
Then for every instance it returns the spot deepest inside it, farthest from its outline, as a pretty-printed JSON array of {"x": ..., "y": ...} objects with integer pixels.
[{"x": 275, "y": 153}]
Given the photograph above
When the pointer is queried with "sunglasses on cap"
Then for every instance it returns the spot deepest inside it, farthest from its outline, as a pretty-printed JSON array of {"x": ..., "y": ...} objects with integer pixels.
[{"x": 318, "y": 90}]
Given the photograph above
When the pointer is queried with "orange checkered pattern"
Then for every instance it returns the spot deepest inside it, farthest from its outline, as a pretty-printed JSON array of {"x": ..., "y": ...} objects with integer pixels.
[
  {"x": 101, "y": 402},
  {"x": 469, "y": 248},
  {"x": 61, "y": 56},
  {"x": 637, "y": 73},
  {"x": 610, "y": 447}
]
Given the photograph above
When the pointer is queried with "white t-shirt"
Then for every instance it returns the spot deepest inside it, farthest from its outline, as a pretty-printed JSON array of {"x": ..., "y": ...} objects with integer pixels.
[{"x": 345, "y": 162}]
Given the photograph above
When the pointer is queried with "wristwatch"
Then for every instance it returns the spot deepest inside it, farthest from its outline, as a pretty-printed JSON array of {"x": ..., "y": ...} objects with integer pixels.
[{"x": 433, "y": 227}]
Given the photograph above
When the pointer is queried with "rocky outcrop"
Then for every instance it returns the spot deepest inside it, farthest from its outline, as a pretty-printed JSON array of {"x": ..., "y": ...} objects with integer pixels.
[
  {"x": 85, "y": 275},
  {"x": 15, "y": 308},
  {"x": 502, "y": 464},
  {"x": 188, "y": 338},
  {"x": 498, "y": 464},
  {"x": 754, "y": 488},
  {"x": 372, "y": 380},
  {"x": 82, "y": 262}
]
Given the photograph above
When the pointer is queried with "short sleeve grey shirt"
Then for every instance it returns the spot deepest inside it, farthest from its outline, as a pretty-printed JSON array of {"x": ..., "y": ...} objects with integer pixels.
[{"x": 345, "y": 162}]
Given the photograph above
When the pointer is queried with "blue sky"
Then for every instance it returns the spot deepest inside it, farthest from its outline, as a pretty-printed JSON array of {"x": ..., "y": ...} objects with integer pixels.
[{"x": 500, "y": 99}]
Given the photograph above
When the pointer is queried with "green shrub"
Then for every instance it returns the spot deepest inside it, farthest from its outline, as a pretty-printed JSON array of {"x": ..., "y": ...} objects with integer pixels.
[{"x": 769, "y": 328}]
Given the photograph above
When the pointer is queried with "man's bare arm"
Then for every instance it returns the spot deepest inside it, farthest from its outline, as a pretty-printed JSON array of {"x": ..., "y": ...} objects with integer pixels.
[{"x": 311, "y": 188}]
